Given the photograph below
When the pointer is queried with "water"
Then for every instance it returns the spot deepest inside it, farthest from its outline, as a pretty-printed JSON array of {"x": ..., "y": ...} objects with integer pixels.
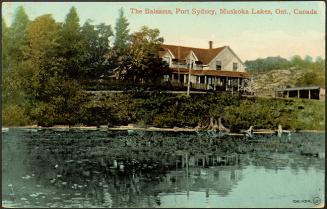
[{"x": 53, "y": 168}]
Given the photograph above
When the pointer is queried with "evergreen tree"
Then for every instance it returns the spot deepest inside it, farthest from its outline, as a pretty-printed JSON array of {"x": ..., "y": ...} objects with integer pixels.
[
  {"x": 72, "y": 47},
  {"x": 118, "y": 58},
  {"x": 17, "y": 33},
  {"x": 5, "y": 40},
  {"x": 13, "y": 96},
  {"x": 122, "y": 31}
]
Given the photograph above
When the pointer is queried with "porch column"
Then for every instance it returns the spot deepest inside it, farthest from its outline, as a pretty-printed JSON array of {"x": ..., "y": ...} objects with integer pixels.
[
  {"x": 206, "y": 82},
  {"x": 288, "y": 94},
  {"x": 298, "y": 93},
  {"x": 214, "y": 83},
  {"x": 238, "y": 84},
  {"x": 309, "y": 94},
  {"x": 226, "y": 82}
]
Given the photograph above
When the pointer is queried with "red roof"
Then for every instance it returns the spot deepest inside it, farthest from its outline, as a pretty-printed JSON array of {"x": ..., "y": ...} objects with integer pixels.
[
  {"x": 181, "y": 52},
  {"x": 214, "y": 73}
]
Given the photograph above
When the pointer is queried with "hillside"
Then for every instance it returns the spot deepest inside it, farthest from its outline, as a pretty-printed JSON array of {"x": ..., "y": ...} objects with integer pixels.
[
  {"x": 272, "y": 73},
  {"x": 266, "y": 83}
]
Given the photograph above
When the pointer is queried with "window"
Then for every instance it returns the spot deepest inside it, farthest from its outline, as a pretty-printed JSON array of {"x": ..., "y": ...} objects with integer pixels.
[
  {"x": 218, "y": 65},
  {"x": 190, "y": 63},
  {"x": 202, "y": 79},
  {"x": 167, "y": 60},
  {"x": 235, "y": 66}
]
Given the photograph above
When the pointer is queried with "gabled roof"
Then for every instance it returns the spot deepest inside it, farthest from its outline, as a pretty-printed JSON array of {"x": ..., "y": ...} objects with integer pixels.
[
  {"x": 181, "y": 52},
  {"x": 214, "y": 73}
]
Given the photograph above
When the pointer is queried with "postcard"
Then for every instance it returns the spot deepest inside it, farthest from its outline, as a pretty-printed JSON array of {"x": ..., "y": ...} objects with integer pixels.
[{"x": 163, "y": 104}]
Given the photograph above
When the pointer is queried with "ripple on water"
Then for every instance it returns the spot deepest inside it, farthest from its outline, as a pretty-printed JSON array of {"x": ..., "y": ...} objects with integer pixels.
[{"x": 154, "y": 175}]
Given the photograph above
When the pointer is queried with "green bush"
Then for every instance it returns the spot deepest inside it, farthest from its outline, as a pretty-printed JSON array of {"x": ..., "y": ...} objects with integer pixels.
[
  {"x": 170, "y": 110},
  {"x": 14, "y": 115}
]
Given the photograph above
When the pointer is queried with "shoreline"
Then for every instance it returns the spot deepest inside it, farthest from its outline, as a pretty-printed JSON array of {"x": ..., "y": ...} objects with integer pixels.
[{"x": 133, "y": 128}]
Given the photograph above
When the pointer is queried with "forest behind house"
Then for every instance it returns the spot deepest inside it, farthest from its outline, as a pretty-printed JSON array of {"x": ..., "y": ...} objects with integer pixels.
[{"x": 46, "y": 62}]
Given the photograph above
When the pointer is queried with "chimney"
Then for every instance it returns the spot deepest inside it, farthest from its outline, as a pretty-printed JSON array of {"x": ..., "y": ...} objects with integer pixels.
[{"x": 210, "y": 44}]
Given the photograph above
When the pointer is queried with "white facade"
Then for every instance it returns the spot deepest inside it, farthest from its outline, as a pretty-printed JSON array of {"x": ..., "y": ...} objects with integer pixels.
[
  {"x": 227, "y": 58},
  {"x": 168, "y": 57}
]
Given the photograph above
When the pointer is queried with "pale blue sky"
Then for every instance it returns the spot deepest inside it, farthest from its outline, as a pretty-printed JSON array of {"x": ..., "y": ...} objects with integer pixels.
[{"x": 250, "y": 36}]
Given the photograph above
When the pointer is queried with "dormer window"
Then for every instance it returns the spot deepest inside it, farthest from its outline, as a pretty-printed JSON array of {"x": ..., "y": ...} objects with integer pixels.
[
  {"x": 218, "y": 65},
  {"x": 190, "y": 63},
  {"x": 235, "y": 66},
  {"x": 167, "y": 60}
]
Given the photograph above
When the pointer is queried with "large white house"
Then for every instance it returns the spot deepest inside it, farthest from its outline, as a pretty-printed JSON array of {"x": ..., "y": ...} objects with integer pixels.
[{"x": 211, "y": 68}]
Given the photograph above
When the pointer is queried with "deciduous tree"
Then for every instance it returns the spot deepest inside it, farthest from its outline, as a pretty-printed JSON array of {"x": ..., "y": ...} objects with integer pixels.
[
  {"x": 96, "y": 41},
  {"x": 144, "y": 49}
]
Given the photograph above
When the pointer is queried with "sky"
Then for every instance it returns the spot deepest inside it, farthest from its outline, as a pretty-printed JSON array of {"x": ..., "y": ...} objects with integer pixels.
[{"x": 250, "y": 36}]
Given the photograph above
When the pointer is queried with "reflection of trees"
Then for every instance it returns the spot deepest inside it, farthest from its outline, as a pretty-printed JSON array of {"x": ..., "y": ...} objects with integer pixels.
[
  {"x": 120, "y": 172},
  {"x": 123, "y": 170},
  {"x": 293, "y": 161},
  {"x": 219, "y": 179}
]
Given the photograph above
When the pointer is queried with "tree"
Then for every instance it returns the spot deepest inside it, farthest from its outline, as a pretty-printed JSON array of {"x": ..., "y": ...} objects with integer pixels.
[
  {"x": 96, "y": 40},
  {"x": 5, "y": 40},
  {"x": 41, "y": 59},
  {"x": 17, "y": 33},
  {"x": 54, "y": 96},
  {"x": 122, "y": 31},
  {"x": 297, "y": 61},
  {"x": 308, "y": 59},
  {"x": 319, "y": 59},
  {"x": 309, "y": 78},
  {"x": 142, "y": 62},
  {"x": 118, "y": 58},
  {"x": 72, "y": 46},
  {"x": 145, "y": 45},
  {"x": 13, "y": 95},
  {"x": 267, "y": 64}
]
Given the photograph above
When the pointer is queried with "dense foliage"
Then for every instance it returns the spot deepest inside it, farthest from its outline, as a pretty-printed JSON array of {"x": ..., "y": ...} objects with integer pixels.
[
  {"x": 170, "y": 110},
  {"x": 44, "y": 62}
]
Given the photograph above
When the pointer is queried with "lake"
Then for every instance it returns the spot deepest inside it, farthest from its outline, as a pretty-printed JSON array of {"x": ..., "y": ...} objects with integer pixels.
[{"x": 74, "y": 168}]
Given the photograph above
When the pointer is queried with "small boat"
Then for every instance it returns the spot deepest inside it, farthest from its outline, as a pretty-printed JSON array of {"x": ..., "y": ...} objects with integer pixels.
[{"x": 4, "y": 129}]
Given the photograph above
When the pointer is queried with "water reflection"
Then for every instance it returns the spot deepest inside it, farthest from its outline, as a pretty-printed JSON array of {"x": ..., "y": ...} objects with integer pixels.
[{"x": 105, "y": 169}]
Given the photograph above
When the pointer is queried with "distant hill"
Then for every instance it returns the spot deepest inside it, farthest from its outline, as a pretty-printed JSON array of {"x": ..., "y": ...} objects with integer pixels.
[{"x": 267, "y": 64}]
